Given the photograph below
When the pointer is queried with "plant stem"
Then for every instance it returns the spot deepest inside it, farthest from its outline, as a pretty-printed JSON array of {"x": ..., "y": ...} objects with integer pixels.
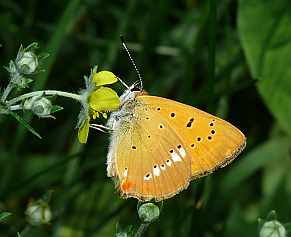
[
  {"x": 24, "y": 231},
  {"x": 142, "y": 228},
  {"x": 44, "y": 93},
  {"x": 15, "y": 107},
  {"x": 7, "y": 91}
]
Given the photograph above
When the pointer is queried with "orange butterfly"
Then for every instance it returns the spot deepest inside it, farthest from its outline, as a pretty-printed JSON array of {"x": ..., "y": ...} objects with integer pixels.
[{"x": 159, "y": 145}]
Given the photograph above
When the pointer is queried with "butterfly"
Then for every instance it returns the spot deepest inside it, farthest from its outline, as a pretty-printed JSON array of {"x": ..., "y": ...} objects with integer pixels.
[{"x": 158, "y": 145}]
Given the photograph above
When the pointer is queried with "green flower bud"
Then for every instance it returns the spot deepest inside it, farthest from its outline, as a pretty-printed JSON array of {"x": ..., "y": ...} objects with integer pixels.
[
  {"x": 148, "y": 212},
  {"x": 27, "y": 63},
  {"x": 38, "y": 213},
  {"x": 273, "y": 229},
  {"x": 40, "y": 106}
]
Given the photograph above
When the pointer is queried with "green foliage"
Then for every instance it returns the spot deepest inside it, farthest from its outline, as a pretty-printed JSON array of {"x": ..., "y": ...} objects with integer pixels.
[
  {"x": 272, "y": 150},
  {"x": 4, "y": 216},
  {"x": 229, "y": 59},
  {"x": 24, "y": 123},
  {"x": 265, "y": 32}
]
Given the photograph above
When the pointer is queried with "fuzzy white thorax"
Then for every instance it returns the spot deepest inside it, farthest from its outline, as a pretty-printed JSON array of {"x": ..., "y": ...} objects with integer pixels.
[
  {"x": 126, "y": 98},
  {"x": 126, "y": 109}
]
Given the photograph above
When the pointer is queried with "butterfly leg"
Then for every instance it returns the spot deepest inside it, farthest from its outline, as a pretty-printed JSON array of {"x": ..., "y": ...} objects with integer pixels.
[{"x": 100, "y": 127}]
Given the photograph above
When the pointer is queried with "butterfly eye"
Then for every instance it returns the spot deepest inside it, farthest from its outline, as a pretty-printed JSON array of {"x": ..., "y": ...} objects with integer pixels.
[
  {"x": 198, "y": 139},
  {"x": 209, "y": 137},
  {"x": 173, "y": 115},
  {"x": 192, "y": 145},
  {"x": 158, "y": 108},
  {"x": 133, "y": 89},
  {"x": 133, "y": 147},
  {"x": 212, "y": 131}
]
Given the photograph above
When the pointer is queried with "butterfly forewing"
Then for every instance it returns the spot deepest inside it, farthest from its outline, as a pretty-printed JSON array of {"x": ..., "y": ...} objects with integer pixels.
[
  {"x": 210, "y": 141},
  {"x": 150, "y": 160}
]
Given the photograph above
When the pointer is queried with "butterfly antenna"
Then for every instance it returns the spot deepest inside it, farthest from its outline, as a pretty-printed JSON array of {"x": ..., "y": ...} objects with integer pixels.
[
  {"x": 132, "y": 61},
  {"x": 123, "y": 83}
]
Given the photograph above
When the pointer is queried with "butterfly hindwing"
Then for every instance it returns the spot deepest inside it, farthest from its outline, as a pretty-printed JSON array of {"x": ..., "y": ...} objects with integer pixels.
[{"x": 149, "y": 160}]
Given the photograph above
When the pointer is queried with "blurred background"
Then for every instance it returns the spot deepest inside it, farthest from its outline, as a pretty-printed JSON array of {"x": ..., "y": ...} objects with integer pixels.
[{"x": 230, "y": 58}]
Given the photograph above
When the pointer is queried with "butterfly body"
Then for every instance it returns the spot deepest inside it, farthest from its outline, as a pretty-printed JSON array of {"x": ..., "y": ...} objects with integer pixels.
[{"x": 159, "y": 145}]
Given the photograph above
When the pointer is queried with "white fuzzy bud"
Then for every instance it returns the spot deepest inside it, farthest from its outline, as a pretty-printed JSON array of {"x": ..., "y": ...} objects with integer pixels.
[
  {"x": 273, "y": 229},
  {"x": 40, "y": 106},
  {"x": 28, "y": 63},
  {"x": 38, "y": 213}
]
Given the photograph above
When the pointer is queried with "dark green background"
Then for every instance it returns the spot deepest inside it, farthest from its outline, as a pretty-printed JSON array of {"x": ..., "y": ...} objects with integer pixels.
[{"x": 174, "y": 44}]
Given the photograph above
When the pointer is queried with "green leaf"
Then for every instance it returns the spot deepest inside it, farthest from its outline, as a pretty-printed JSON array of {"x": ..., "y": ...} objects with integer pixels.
[
  {"x": 4, "y": 215},
  {"x": 265, "y": 33},
  {"x": 24, "y": 124},
  {"x": 56, "y": 108},
  {"x": 33, "y": 46},
  {"x": 275, "y": 149}
]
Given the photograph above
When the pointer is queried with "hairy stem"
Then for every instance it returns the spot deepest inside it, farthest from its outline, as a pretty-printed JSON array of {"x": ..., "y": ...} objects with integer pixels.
[
  {"x": 15, "y": 107},
  {"x": 142, "y": 228},
  {"x": 44, "y": 93},
  {"x": 7, "y": 91}
]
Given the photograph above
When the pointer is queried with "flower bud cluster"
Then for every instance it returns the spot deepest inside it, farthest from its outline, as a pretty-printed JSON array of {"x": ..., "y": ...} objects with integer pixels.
[{"x": 25, "y": 64}]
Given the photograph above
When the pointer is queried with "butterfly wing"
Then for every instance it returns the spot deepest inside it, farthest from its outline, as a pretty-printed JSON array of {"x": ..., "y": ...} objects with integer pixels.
[
  {"x": 210, "y": 141},
  {"x": 145, "y": 160},
  {"x": 164, "y": 144}
]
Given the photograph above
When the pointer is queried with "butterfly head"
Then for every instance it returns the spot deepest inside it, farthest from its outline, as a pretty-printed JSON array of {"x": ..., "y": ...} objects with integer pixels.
[
  {"x": 131, "y": 93},
  {"x": 128, "y": 103}
]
